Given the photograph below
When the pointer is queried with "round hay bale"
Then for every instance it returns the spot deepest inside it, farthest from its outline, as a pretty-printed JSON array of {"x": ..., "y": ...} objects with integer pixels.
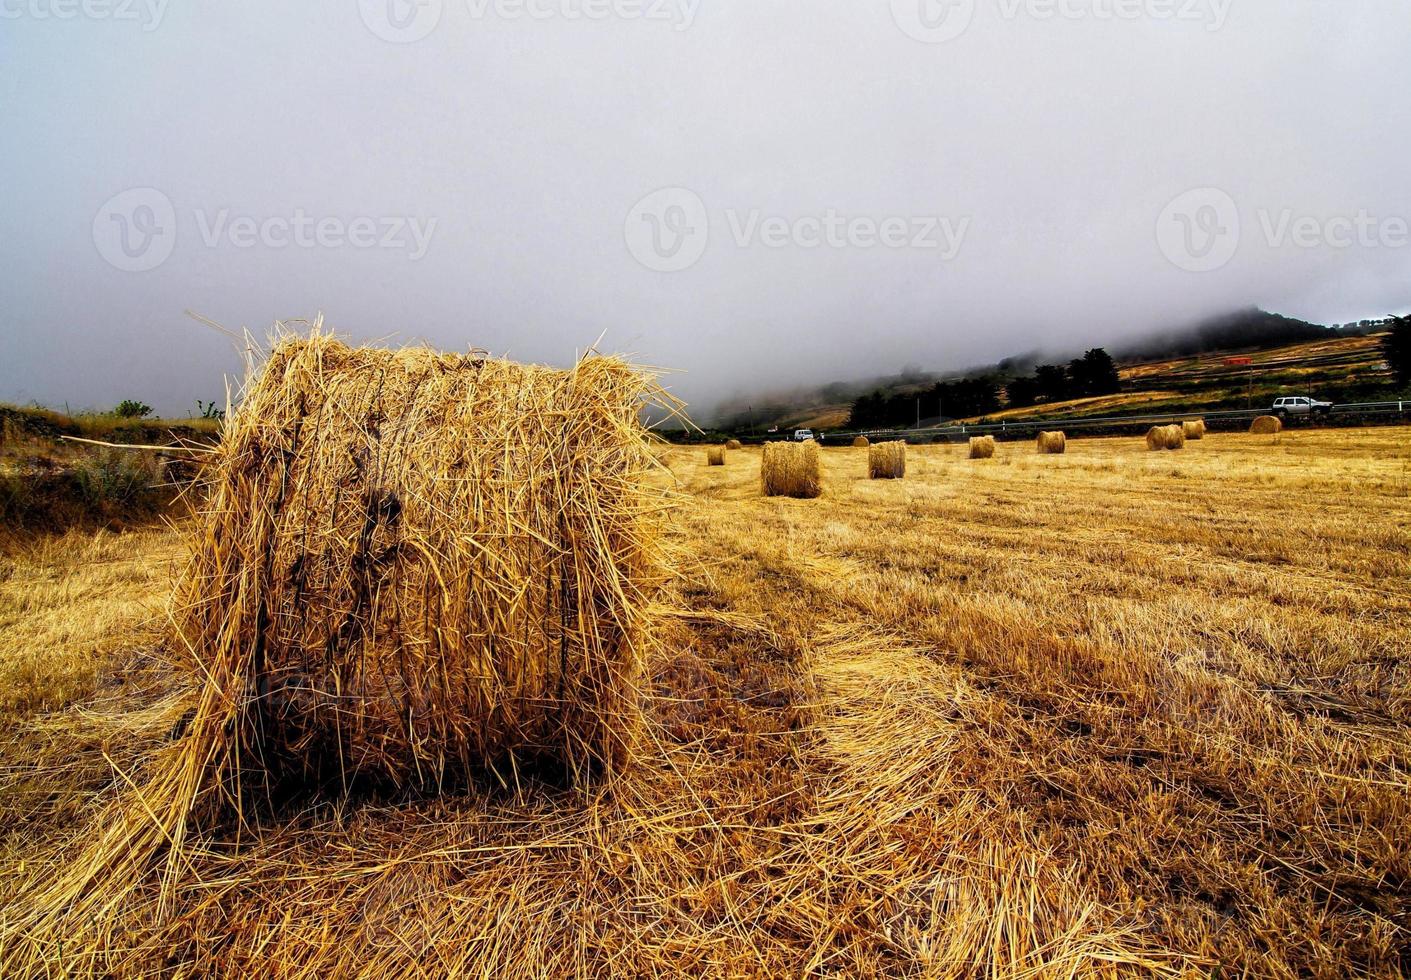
[
  {"x": 1194, "y": 428},
  {"x": 733, "y": 444},
  {"x": 861, "y": 442},
  {"x": 790, "y": 469},
  {"x": 1052, "y": 443},
  {"x": 1266, "y": 425},
  {"x": 413, "y": 567},
  {"x": 1175, "y": 437},
  {"x": 886, "y": 461},
  {"x": 715, "y": 455},
  {"x": 982, "y": 447},
  {"x": 1156, "y": 437}
]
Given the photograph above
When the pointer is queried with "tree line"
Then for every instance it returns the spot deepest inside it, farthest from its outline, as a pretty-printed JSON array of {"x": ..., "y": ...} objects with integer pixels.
[{"x": 1092, "y": 374}]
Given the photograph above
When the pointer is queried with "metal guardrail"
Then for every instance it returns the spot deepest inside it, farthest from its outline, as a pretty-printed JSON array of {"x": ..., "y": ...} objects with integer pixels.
[{"x": 1028, "y": 426}]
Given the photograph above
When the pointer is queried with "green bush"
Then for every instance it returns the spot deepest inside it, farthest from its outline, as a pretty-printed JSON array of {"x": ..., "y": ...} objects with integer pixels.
[{"x": 129, "y": 409}]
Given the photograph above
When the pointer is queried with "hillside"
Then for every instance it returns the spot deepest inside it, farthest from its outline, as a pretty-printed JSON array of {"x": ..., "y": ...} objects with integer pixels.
[
  {"x": 1342, "y": 370},
  {"x": 1339, "y": 365}
]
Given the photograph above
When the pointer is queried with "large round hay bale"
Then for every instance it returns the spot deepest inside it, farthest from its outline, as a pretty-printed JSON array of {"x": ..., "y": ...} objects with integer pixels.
[
  {"x": 1053, "y": 443},
  {"x": 416, "y": 566},
  {"x": 861, "y": 442},
  {"x": 1194, "y": 428},
  {"x": 1266, "y": 425},
  {"x": 1156, "y": 437},
  {"x": 982, "y": 447},
  {"x": 1175, "y": 437},
  {"x": 733, "y": 444},
  {"x": 790, "y": 469},
  {"x": 886, "y": 461},
  {"x": 715, "y": 455}
]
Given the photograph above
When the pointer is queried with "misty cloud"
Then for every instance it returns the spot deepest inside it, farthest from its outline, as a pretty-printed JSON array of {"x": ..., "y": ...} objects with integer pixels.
[{"x": 757, "y": 193}]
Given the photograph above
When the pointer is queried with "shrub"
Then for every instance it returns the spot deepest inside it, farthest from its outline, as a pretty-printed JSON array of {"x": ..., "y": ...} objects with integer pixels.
[
  {"x": 114, "y": 476},
  {"x": 129, "y": 409}
]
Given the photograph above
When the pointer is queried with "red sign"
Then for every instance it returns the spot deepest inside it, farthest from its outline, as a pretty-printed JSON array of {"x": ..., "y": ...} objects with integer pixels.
[{"x": 1239, "y": 361}]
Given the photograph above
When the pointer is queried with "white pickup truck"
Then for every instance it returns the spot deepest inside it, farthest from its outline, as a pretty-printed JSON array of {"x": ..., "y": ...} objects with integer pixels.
[{"x": 1299, "y": 405}]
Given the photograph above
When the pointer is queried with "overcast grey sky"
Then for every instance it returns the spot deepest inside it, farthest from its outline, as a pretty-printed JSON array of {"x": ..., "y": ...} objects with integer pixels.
[{"x": 755, "y": 192}]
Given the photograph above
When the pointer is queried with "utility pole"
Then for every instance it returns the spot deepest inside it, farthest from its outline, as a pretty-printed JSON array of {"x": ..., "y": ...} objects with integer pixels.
[{"x": 918, "y": 411}]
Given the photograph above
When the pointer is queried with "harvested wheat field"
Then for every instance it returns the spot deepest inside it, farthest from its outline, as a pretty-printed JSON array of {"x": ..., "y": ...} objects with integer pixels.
[{"x": 1106, "y": 713}]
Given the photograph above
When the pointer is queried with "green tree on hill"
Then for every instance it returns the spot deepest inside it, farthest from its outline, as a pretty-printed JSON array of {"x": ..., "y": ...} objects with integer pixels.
[
  {"x": 1397, "y": 347},
  {"x": 1094, "y": 374},
  {"x": 1052, "y": 382},
  {"x": 130, "y": 409}
]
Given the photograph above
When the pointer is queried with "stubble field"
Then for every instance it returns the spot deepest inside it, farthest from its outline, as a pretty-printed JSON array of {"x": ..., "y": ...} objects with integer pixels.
[{"x": 1111, "y": 712}]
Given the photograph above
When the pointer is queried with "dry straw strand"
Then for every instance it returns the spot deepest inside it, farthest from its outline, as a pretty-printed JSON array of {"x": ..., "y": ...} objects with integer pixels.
[
  {"x": 982, "y": 447},
  {"x": 790, "y": 469},
  {"x": 1052, "y": 443},
  {"x": 886, "y": 461}
]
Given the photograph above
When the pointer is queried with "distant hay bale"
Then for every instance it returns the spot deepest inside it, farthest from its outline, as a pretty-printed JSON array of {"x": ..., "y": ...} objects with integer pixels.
[
  {"x": 1195, "y": 428},
  {"x": 1266, "y": 425},
  {"x": 1166, "y": 437},
  {"x": 861, "y": 442},
  {"x": 982, "y": 447},
  {"x": 790, "y": 469},
  {"x": 1053, "y": 443},
  {"x": 733, "y": 444},
  {"x": 715, "y": 455},
  {"x": 886, "y": 461}
]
